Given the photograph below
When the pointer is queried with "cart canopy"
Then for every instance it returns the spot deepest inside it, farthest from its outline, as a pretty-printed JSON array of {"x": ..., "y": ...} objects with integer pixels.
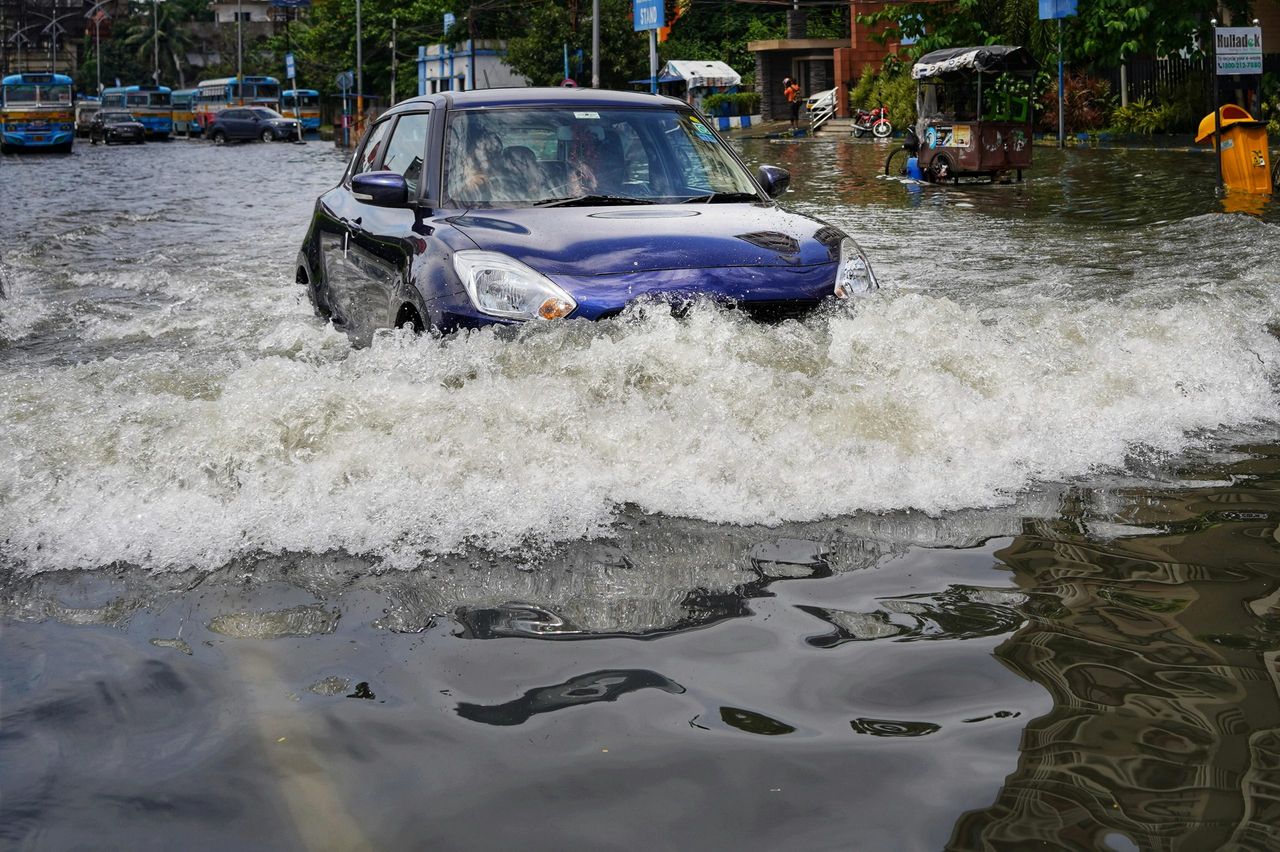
[
  {"x": 699, "y": 73},
  {"x": 987, "y": 59}
]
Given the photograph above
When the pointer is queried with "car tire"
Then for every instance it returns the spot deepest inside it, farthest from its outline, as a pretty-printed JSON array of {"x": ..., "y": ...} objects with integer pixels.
[
  {"x": 5, "y": 149},
  {"x": 267, "y": 136},
  {"x": 218, "y": 138}
]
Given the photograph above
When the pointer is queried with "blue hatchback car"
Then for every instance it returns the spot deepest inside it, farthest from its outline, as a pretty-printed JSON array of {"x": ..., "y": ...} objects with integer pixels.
[{"x": 465, "y": 209}]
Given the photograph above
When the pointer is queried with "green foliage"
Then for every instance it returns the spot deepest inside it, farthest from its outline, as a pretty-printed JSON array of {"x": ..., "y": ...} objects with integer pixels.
[
  {"x": 1085, "y": 104},
  {"x": 1270, "y": 103},
  {"x": 722, "y": 31},
  {"x": 893, "y": 89},
  {"x": 737, "y": 103},
  {"x": 538, "y": 52},
  {"x": 1142, "y": 116},
  {"x": 1110, "y": 31}
]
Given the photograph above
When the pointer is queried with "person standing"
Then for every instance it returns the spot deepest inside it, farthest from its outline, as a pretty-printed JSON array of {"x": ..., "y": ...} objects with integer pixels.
[{"x": 791, "y": 89}]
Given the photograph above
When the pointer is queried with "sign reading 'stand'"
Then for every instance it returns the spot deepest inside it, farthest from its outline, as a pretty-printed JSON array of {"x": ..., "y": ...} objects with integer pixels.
[
  {"x": 1238, "y": 49},
  {"x": 648, "y": 15}
]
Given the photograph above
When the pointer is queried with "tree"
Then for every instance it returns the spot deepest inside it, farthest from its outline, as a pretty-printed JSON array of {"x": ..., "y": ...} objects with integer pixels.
[
  {"x": 549, "y": 26},
  {"x": 149, "y": 27},
  {"x": 1105, "y": 33}
]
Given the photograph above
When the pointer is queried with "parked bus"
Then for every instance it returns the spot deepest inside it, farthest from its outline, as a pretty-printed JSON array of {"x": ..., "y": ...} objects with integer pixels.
[
  {"x": 150, "y": 105},
  {"x": 213, "y": 96},
  {"x": 37, "y": 113},
  {"x": 184, "y": 101},
  {"x": 303, "y": 104},
  {"x": 86, "y": 108}
]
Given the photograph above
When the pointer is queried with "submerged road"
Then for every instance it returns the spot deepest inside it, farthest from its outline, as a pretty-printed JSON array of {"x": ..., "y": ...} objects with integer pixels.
[{"x": 990, "y": 558}]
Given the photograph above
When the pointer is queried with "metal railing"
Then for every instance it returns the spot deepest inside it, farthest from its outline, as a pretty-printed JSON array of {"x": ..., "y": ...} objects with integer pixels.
[{"x": 821, "y": 116}]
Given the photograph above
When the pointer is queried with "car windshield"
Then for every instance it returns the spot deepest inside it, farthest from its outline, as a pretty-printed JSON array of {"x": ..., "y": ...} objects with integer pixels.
[
  {"x": 117, "y": 118},
  {"x": 560, "y": 156},
  {"x": 263, "y": 112}
]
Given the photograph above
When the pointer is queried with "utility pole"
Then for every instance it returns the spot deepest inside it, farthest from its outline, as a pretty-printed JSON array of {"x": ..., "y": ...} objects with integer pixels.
[
  {"x": 239, "y": 54},
  {"x": 393, "y": 60},
  {"x": 96, "y": 14},
  {"x": 155, "y": 40},
  {"x": 359, "y": 74},
  {"x": 54, "y": 29},
  {"x": 595, "y": 44}
]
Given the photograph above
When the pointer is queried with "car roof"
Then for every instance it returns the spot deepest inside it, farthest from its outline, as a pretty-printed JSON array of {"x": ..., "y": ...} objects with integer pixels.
[{"x": 522, "y": 96}]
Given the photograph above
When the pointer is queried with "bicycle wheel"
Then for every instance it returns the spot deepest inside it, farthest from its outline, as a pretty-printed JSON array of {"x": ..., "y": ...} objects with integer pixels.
[{"x": 895, "y": 165}]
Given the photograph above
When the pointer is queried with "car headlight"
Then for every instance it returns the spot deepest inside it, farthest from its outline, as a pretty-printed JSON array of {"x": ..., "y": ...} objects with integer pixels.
[
  {"x": 502, "y": 286},
  {"x": 854, "y": 274}
]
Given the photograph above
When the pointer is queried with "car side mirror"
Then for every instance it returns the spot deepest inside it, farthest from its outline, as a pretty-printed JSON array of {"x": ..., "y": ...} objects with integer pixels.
[
  {"x": 774, "y": 180},
  {"x": 385, "y": 189}
]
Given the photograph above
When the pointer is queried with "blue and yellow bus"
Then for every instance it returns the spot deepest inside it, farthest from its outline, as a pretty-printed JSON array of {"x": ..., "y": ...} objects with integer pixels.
[
  {"x": 303, "y": 104},
  {"x": 184, "y": 116},
  {"x": 150, "y": 105},
  {"x": 213, "y": 96},
  {"x": 37, "y": 113}
]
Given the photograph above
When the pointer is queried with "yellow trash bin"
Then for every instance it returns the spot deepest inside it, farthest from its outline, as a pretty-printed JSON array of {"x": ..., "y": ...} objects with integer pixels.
[{"x": 1245, "y": 165}]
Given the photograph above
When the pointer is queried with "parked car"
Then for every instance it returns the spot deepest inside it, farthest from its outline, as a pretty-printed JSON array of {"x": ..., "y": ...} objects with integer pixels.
[
  {"x": 821, "y": 101},
  {"x": 250, "y": 123},
  {"x": 114, "y": 126},
  {"x": 86, "y": 109},
  {"x": 499, "y": 206}
]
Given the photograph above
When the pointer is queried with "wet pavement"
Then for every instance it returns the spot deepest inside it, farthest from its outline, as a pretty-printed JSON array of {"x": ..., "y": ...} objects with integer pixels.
[{"x": 989, "y": 561}]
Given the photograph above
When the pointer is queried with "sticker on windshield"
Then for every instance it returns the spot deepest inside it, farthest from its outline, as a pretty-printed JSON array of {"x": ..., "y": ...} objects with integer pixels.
[
  {"x": 586, "y": 115},
  {"x": 700, "y": 130}
]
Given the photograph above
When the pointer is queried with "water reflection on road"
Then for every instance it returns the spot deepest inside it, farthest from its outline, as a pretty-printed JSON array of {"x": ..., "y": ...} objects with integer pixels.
[{"x": 1086, "y": 657}]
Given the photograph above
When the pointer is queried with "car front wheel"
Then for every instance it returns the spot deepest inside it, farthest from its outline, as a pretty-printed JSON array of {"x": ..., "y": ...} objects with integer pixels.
[
  {"x": 267, "y": 136},
  {"x": 219, "y": 138}
]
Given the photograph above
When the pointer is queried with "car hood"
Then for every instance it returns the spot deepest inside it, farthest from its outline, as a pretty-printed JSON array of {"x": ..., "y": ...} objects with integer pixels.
[{"x": 577, "y": 241}]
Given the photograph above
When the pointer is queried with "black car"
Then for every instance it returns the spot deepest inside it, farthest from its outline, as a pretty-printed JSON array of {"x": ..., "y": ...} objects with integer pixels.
[
  {"x": 111, "y": 127},
  {"x": 250, "y": 123}
]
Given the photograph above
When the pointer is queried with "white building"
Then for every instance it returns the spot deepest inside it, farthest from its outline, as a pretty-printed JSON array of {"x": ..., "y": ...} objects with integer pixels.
[
  {"x": 250, "y": 11},
  {"x": 444, "y": 68}
]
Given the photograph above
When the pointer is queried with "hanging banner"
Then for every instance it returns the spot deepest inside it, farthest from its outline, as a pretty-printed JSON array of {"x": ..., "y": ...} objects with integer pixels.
[
  {"x": 291, "y": 4},
  {"x": 1238, "y": 50}
]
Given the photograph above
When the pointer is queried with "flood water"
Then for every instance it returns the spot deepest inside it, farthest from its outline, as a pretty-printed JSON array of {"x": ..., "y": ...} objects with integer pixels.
[{"x": 990, "y": 560}]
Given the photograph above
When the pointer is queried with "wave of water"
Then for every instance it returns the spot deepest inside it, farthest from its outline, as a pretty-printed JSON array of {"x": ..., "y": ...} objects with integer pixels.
[{"x": 168, "y": 459}]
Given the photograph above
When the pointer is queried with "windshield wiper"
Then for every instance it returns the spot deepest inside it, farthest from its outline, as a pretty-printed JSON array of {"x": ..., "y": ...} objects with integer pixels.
[
  {"x": 721, "y": 197},
  {"x": 592, "y": 201}
]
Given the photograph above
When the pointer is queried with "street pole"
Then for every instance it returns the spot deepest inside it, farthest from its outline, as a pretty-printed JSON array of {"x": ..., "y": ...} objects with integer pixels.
[
  {"x": 96, "y": 14},
  {"x": 155, "y": 40},
  {"x": 653, "y": 61},
  {"x": 1062, "y": 119},
  {"x": 595, "y": 44},
  {"x": 359, "y": 74},
  {"x": 239, "y": 54},
  {"x": 393, "y": 60},
  {"x": 1217, "y": 104}
]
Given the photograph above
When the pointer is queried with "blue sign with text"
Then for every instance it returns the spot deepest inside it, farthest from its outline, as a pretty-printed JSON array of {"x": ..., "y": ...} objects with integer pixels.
[
  {"x": 648, "y": 14},
  {"x": 1053, "y": 9},
  {"x": 290, "y": 70}
]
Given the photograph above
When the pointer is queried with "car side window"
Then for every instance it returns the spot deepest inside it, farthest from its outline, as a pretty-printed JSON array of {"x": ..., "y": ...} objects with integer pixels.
[
  {"x": 369, "y": 156},
  {"x": 407, "y": 148}
]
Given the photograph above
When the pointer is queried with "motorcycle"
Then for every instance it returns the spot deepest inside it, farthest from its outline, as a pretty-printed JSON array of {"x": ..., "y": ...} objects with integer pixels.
[{"x": 874, "y": 121}]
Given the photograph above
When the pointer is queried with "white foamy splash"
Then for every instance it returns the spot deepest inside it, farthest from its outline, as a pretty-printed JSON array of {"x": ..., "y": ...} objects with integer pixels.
[{"x": 171, "y": 459}]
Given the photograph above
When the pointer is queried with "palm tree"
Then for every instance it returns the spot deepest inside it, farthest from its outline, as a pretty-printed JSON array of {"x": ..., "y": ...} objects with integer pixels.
[{"x": 157, "y": 34}]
